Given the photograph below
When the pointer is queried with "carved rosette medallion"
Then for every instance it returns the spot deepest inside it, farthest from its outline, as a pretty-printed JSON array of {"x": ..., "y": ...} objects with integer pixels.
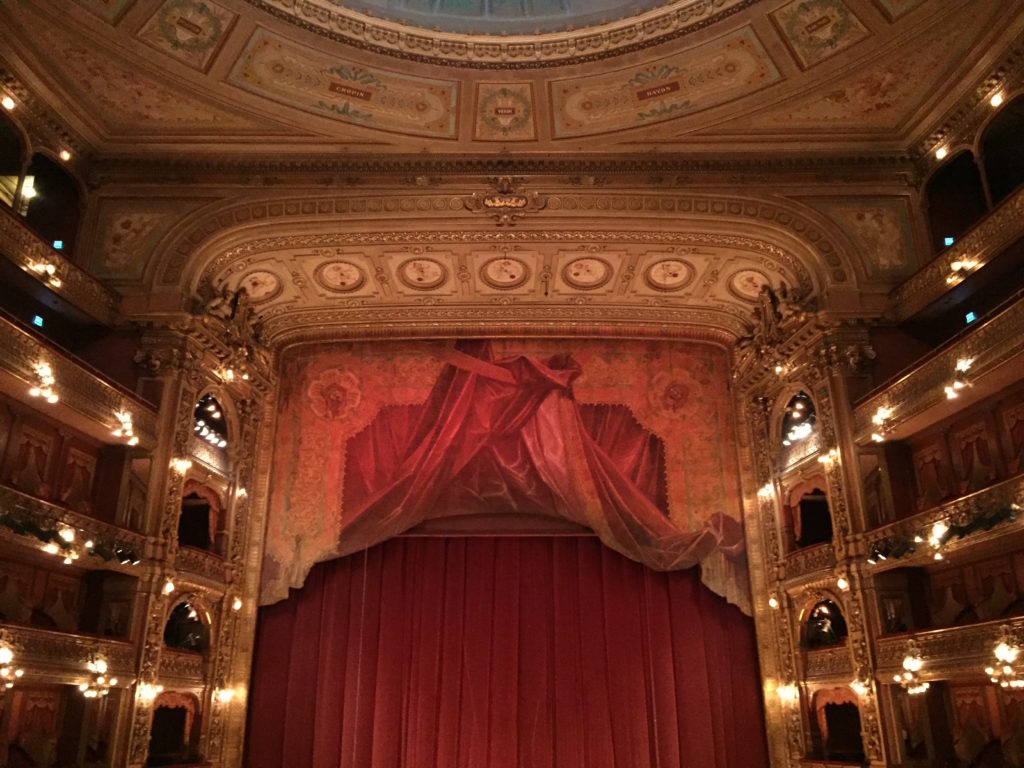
[
  {"x": 746, "y": 284},
  {"x": 340, "y": 276},
  {"x": 261, "y": 286},
  {"x": 587, "y": 273},
  {"x": 422, "y": 274},
  {"x": 504, "y": 273},
  {"x": 669, "y": 275}
]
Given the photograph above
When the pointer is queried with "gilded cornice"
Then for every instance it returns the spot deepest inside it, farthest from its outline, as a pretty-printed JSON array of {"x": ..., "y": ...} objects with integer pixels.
[
  {"x": 60, "y": 657},
  {"x": 24, "y": 248},
  {"x": 999, "y": 229},
  {"x": 828, "y": 665},
  {"x": 79, "y": 388},
  {"x": 988, "y": 345},
  {"x": 181, "y": 669},
  {"x": 956, "y": 652},
  {"x": 51, "y": 516},
  {"x": 955, "y": 512},
  {"x": 433, "y": 170},
  {"x": 808, "y": 563},
  {"x": 502, "y": 52}
]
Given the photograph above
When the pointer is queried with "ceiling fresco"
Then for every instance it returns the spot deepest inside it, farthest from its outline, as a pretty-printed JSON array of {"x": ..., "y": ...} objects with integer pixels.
[{"x": 769, "y": 74}]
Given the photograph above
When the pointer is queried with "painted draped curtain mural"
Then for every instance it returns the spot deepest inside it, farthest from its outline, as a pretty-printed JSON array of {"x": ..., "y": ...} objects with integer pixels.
[{"x": 632, "y": 440}]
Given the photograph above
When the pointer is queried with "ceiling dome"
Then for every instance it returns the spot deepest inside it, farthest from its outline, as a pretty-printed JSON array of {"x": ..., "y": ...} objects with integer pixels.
[{"x": 501, "y": 16}]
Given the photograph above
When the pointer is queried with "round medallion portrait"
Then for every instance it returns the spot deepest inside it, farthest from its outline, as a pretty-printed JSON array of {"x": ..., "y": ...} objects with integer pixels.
[
  {"x": 504, "y": 272},
  {"x": 422, "y": 274},
  {"x": 340, "y": 276},
  {"x": 260, "y": 286},
  {"x": 669, "y": 275},
  {"x": 587, "y": 273},
  {"x": 746, "y": 284}
]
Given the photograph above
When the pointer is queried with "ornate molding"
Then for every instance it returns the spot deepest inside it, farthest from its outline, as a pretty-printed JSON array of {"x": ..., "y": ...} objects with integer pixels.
[
  {"x": 502, "y": 52},
  {"x": 990, "y": 345},
  {"x": 947, "y": 653},
  {"x": 24, "y": 248},
  {"x": 58, "y": 657},
  {"x": 173, "y": 260},
  {"x": 79, "y": 387},
  {"x": 955, "y": 512},
  {"x": 829, "y": 665},
  {"x": 998, "y": 230},
  {"x": 431, "y": 171},
  {"x": 205, "y": 565},
  {"x": 181, "y": 669},
  {"x": 50, "y": 516},
  {"x": 807, "y": 563}
]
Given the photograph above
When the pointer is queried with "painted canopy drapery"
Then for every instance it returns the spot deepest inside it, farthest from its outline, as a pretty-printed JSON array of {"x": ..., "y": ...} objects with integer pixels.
[{"x": 372, "y": 442}]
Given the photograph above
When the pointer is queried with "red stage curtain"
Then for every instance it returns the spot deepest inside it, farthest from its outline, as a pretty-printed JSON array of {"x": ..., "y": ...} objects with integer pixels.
[{"x": 499, "y": 653}]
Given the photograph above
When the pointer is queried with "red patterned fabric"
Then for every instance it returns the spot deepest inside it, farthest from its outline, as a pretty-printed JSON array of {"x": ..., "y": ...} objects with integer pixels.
[
  {"x": 507, "y": 434},
  {"x": 482, "y": 652}
]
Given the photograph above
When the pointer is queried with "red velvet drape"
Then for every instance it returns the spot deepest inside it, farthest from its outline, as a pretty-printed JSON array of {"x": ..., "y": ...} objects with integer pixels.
[{"x": 500, "y": 653}]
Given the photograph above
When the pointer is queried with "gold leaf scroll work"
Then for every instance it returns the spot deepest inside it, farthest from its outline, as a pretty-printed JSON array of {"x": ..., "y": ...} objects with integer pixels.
[
  {"x": 714, "y": 73},
  {"x": 324, "y": 85}
]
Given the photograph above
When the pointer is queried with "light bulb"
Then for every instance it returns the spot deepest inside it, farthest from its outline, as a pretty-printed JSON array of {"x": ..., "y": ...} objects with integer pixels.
[
  {"x": 8, "y": 103},
  {"x": 940, "y": 153}
]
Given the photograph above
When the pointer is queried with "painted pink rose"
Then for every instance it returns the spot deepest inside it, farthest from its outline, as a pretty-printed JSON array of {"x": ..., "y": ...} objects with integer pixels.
[{"x": 335, "y": 394}]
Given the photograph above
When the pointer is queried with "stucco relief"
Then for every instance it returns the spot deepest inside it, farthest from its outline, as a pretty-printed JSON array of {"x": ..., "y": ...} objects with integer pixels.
[
  {"x": 125, "y": 98},
  {"x": 818, "y": 29},
  {"x": 714, "y": 73},
  {"x": 880, "y": 94},
  {"x": 188, "y": 30},
  {"x": 315, "y": 82},
  {"x": 126, "y": 233},
  {"x": 881, "y": 230},
  {"x": 504, "y": 112}
]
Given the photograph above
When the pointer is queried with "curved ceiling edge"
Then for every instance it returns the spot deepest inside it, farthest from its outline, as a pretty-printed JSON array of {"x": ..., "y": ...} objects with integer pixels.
[{"x": 502, "y": 51}]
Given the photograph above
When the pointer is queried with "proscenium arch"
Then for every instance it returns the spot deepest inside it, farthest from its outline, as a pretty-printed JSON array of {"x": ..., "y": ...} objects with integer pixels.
[{"x": 810, "y": 238}]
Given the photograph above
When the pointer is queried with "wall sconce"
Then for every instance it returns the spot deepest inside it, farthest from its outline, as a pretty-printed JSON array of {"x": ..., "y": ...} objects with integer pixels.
[
  {"x": 43, "y": 269},
  {"x": 960, "y": 269},
  {"x": 147, "y": 692},
  {"x": 8, "y": 103},
  {"x": 224, "y": 695},
  {"x": 1006, "y": 652},
  {"x": 236, "y": 604},
  {"x": 911, "y": 679},
  {"x": 860, "y": 687},
  {"x": 963, "y": 365},
  {"x": 100, "y": 685},
  {"x": 881, "y": 422},
  {"x": 788, "y": 693},
  {"x": 8, "y": 672},
  {"x": 168, "y": 587},
  {"x": 766, "y": 491},
  {"x": 829, "y": 458},
  {"x": 125, "y": 428},
  {"x": 45, "y": 383},
  {"x": 842, "y": 584},
  {"x": 181, "y": 466},
  {"x": 773, "y": 602},
  {"x": 940, "y": 153}
]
